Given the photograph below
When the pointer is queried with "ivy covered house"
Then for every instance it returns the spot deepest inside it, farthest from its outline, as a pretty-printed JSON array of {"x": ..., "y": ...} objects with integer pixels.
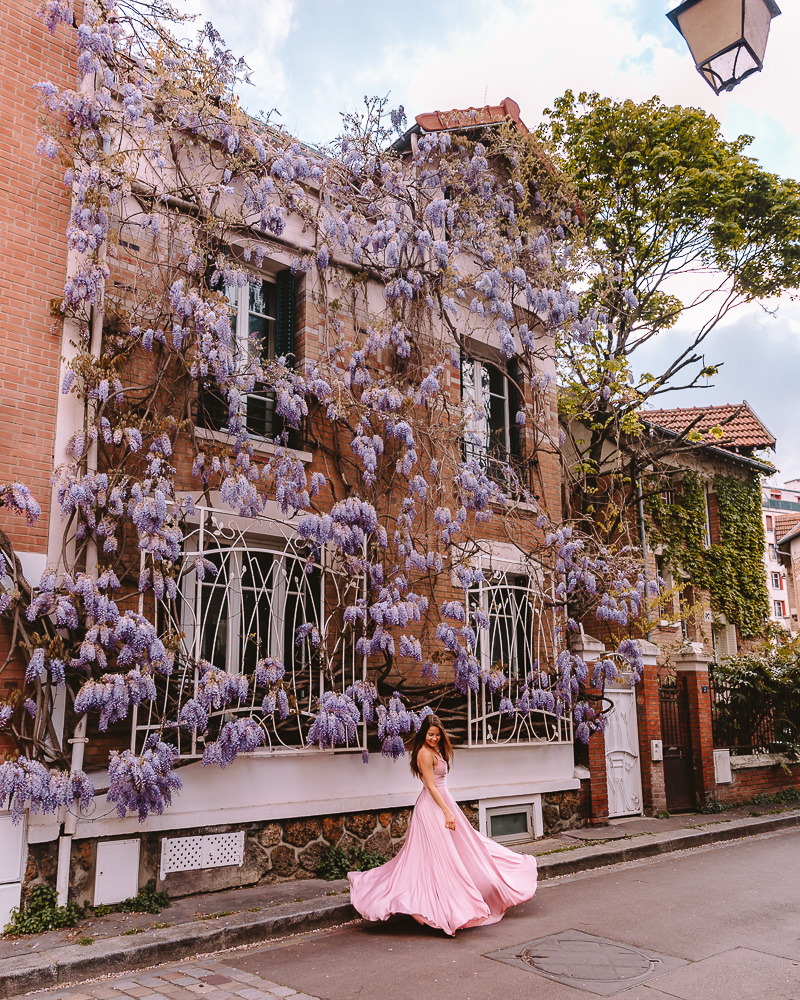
[{"x": 705, "y": 530}]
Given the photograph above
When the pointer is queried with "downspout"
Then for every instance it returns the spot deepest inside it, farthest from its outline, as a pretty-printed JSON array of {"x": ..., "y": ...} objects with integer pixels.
[{"x": 643, "y": 540}]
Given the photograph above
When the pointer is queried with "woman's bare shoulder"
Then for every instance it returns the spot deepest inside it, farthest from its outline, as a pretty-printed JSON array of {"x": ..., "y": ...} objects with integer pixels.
[{"x": 426, "y": 756}]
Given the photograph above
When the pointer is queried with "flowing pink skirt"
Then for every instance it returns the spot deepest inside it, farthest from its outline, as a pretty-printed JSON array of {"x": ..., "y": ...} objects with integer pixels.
[{"x": 449, "y": 879}]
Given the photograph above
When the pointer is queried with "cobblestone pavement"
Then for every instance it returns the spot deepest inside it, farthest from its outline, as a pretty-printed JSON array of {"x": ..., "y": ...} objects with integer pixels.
[{"x": 183, "y": 981}]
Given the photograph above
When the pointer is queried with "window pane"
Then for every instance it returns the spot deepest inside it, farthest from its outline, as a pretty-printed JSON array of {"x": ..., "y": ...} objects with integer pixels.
[
  {"x": 263, "y": 299},
  {"x": 508, "y": 824},
  {"x": 214, "y": 628}
]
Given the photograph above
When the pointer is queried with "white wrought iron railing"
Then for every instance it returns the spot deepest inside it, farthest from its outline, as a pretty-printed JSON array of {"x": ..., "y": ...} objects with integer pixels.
[
  {"x": 264, "y": 588},
  {"x": 518, "y": 641}
]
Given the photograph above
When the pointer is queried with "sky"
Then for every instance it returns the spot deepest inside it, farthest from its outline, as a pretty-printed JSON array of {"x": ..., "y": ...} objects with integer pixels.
[{"x": 311, "y": 59}]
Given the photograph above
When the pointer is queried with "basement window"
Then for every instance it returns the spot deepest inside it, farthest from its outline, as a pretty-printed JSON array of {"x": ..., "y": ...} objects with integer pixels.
[{"x": 510, "y": 824}]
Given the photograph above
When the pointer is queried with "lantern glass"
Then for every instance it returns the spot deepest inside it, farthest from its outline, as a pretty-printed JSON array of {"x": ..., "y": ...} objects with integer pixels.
[{"x": 727, "y": 38}]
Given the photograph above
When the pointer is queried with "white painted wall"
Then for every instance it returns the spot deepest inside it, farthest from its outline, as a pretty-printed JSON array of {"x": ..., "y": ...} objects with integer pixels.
[{"x": 286, "y": 784}]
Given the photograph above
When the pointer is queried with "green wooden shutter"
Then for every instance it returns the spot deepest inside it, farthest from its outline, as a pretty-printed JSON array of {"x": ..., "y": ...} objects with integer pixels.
[
  {"x": 284, "y": 332},
  {"x": 514, "y": 436}
]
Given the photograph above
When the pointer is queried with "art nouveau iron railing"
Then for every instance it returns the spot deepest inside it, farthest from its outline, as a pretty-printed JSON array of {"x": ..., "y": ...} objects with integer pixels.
[
  {"x": 265, "y": 586},
  {"x": 517, "y": 642}
]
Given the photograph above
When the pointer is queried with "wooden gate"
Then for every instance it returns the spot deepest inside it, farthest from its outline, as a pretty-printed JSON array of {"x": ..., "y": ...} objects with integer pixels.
[
  {"x": 623, "y": 768},
  {"x": 676, "y": 737}
]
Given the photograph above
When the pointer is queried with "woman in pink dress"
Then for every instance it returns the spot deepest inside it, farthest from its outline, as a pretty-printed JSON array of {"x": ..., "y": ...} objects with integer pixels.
[{"x": 446, "y": 875}]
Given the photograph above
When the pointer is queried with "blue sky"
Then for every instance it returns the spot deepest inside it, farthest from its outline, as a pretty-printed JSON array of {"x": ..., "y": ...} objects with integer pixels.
[{"x": 313, "y": 58}]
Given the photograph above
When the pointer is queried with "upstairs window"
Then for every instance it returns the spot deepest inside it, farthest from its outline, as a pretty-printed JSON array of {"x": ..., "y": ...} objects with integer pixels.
[
  {"x": 777, "y": 581},
  {"x": 262, "y": 321},
  {"x": 495, "y": 438},
  {"x": 779, "y": 608}
]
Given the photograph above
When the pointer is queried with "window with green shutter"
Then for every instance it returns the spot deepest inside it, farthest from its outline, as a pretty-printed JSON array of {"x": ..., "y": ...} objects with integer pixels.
[{"x": 262, "y": 320}]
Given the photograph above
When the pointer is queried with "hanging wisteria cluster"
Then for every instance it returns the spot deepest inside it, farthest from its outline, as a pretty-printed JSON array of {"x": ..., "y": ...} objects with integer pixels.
[{"x": 409, "y": 258}]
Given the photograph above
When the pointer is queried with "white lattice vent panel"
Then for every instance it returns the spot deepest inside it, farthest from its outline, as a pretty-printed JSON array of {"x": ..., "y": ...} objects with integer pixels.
[{"x": 217, "y": 850}]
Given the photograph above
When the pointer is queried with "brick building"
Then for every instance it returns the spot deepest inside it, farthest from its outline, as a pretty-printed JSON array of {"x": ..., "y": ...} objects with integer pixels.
[{"x": 269, "y": 815}]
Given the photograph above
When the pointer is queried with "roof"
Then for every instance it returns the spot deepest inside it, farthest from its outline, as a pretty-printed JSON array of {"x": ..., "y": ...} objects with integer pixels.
[
  {"x": 489, "y": 114},
  {"x": 787, "y": 527},
  {"x": 458, "y": 119},
  {"x": 741, "y": 428}
]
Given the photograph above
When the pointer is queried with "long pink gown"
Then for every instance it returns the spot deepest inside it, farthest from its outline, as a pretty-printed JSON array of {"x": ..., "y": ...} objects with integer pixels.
[{"x": 451, "y": 879}]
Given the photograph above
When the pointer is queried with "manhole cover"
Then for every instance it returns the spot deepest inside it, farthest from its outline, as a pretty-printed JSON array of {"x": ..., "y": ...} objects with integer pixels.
[
  {"x": 595, "y": 964},
  {"x": 604, "y": 961}
]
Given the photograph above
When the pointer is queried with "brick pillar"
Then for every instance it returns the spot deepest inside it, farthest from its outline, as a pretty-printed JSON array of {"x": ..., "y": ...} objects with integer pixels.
[
  {"x": 648, "y": 716},
  {"x": 589, "y": 650},
  {"x": 692, "y": 665}
]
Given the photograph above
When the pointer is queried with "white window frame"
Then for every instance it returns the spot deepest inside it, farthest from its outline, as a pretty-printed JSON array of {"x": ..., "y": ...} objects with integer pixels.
[
  {"x": 239, "y": 298},
  {"x": 478, "y": 398},
  {"x": 779, "y": 609},
  {"x": 530, "y": 804}
]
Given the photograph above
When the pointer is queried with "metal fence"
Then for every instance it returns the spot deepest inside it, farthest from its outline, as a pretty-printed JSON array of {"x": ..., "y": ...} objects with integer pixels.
[{"x": 749, "y": 719}]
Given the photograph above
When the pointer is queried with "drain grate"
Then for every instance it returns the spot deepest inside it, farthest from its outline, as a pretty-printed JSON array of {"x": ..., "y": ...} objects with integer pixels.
[{"x": 584, "y": 961}]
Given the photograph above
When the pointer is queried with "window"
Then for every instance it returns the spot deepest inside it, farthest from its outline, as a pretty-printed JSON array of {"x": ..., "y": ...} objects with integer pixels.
[
  {"x": 510, "y": 825},
  {"x": 262, "y": 320},
  {"x": 508, "y": 645},
  {"x": 773, "y": 552},
  {"x": 779, "y": 607},
  {"x": 492, "y": 387},
  {"x": 707, "y": 512},
  {"x": 253, "y": 606},
  {"x": 769, "y": 523},
  {"x": 777, "y": 581}
]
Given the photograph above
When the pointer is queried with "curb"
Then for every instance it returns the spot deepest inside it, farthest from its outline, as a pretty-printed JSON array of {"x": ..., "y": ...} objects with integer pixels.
[
  {"x": 76, "y": 963},
  {"x": 597, "y": 856},
  {"x": 60, "y": 967}
]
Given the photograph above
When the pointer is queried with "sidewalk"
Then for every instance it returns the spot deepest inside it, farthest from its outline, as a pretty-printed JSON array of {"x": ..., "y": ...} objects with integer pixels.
[{"x": 213, "y": 922}]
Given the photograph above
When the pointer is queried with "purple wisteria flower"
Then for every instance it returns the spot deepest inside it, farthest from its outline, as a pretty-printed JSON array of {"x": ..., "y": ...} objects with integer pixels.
[{"x": 143, "y": 783}]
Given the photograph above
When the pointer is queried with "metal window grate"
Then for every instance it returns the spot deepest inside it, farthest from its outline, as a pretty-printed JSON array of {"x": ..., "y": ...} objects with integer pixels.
[{"x": 184, "y": 854}]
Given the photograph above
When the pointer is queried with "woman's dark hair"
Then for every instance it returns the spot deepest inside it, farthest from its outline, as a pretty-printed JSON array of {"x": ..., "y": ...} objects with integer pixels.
[{"x": 445, "y": 746}]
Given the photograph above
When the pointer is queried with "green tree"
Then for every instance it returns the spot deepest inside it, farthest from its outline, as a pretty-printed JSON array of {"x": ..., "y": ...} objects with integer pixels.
[{"x": 681, "y": 225}]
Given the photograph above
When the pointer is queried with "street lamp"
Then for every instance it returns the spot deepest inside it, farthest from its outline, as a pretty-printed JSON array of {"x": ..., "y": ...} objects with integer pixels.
[{"x": 727, "y": 38}]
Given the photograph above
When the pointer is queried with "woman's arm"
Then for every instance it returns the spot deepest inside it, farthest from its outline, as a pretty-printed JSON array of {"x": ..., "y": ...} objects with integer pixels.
[{"x": 425, "y": 760}]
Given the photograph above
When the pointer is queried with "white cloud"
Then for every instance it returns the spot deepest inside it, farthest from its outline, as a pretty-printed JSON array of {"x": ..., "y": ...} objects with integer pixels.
[{"x": 259, "y": 31}]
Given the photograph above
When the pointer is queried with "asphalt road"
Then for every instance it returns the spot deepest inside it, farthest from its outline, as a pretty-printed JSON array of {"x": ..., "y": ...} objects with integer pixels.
[
  {"x": 731, "y": 913},
  {"x": 715, "y": 923}
]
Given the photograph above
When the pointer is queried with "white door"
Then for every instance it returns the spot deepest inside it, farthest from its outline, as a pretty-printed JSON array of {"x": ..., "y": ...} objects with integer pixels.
[
  {"x": 623, "y": 770},
  {"x": 12, "y": 859}
]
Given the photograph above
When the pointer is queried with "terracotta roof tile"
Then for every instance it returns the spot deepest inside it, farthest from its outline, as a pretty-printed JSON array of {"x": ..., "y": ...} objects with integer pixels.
[
  {"x": 786, "y": 524},
  {"x": 489, "y": 114},
  {"x": 740, "y": 426}
]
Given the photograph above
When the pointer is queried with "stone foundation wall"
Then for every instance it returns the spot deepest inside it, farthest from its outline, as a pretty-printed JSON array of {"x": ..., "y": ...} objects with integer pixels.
[
  {"x": 564, "y": 810},
  {"x": 278, "y": 851}
]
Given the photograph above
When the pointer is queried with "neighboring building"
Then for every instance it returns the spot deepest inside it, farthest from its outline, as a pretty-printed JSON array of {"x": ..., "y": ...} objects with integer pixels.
[
  {"x": 782, "y": 552},
  {"x": 724, "y": 447}
]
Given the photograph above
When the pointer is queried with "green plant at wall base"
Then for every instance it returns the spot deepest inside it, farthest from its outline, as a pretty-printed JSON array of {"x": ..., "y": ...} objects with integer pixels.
[
  {"x": 732, "y": 569},
  {"x": 335, "y": 862},
  {"x": 147, "y": 900},
  {"x": 42, "y": 913}
]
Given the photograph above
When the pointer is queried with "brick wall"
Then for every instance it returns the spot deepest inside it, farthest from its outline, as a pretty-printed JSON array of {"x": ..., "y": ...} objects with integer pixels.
[
  {"x": 34, "y": 207},
  {"x": 750, "y": 781}
]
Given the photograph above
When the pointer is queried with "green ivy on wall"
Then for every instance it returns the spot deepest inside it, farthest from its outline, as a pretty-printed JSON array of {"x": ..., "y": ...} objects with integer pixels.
[{"x": 732, "y": 569}]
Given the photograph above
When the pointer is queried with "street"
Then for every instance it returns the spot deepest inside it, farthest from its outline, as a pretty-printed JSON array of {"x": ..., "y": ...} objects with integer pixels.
[{"x": 716, "y": 923}]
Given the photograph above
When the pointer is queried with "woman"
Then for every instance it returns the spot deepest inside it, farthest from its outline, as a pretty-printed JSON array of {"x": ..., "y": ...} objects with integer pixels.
[{"x": 446, "y": 875}]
